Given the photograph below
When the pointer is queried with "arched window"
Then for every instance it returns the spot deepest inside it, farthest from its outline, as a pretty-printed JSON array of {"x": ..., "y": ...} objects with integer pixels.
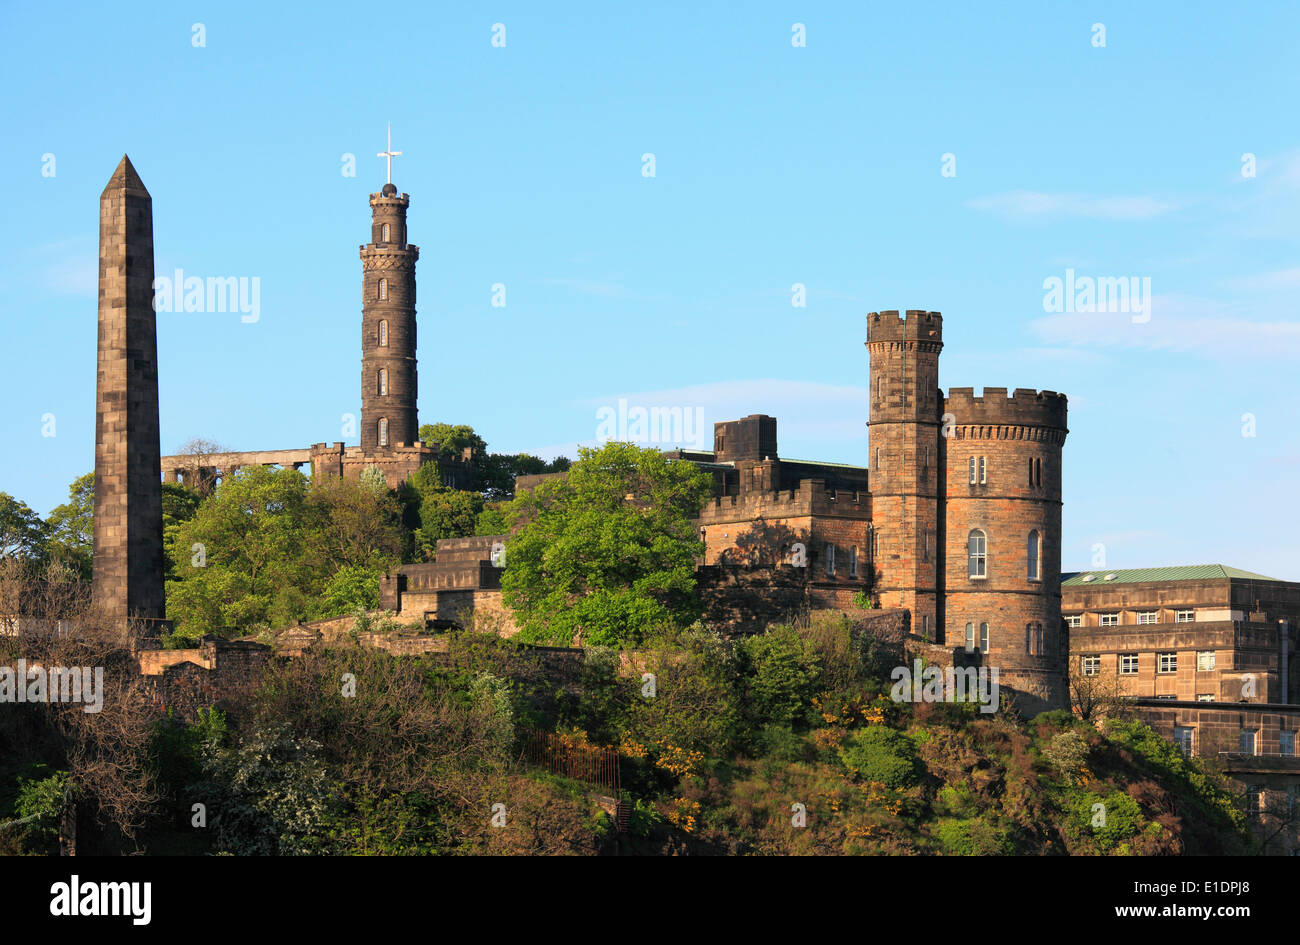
[
  {"x": 383, "y": 288},
  {"x": 970, "y": 638},
  {"x": 1032, "y": 550},
  {"x": 984, "y": 638},
  {"x": 383, "y": 382},
  {"x": 383, "y": 432},
  {"x": 384, "y": 238},
  {"x": 977, "y": 555},
  {"x": 383, "y": 333}
]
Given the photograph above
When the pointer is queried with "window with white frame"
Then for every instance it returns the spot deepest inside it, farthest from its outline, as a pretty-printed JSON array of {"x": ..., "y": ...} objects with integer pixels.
[
  {"x": 1090, "y": 665},
  {"x": 1108, "y": 620},
  {"x": 1184, "y": 616},
  {"x": 984, "y": 638},
  {"x": 383, "y": 333},
  {"x": 977, "y": 565},
  {"x": 984, "y": 477},
  {"x": 973, "y": 477},
  {"x": 1167, "y": 663},
  {"x": 1033, "y": 548},
  {"x": 1286, "y": 743},
  {"x": 1205, "y": 660},
  {"x": 970, "y": 637},
  {"x": 1074, "y": 620},
  {"x": 384, "y": 237},
  {"x": 1128, "y": 664},
  {"x": 383, "y": 289},
  {"x": 1148, "y": 616},
  {"x": 1205, "y": 697},
  {"x": 1246, "y": 741},
  {"x": 383, "y": 431}
]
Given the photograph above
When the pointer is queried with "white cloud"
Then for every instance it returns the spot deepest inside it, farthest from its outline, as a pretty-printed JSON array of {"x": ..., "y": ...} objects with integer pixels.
[
  {"x": 1030, "y": 205},
  {"x": 1180, "y": 324}
]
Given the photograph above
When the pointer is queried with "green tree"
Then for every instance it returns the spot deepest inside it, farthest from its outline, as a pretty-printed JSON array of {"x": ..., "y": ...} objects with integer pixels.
[
  {"x": 443, "y": 512},
  {"x": 359, "y": 522},
  {"x": 22, "y": 533},
  {"x": 252, "y": 557},
  {"x": 607, "y": 552},
  {"x": 452, "y": 438},
  {"x": 71, "y": 538}
]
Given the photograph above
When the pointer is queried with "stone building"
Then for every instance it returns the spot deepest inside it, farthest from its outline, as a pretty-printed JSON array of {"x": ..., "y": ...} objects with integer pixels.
[
  {"x": 389, "y": 379},
  {"x": 956, "y": 521},
  {"x": 1207, "y": 655}
]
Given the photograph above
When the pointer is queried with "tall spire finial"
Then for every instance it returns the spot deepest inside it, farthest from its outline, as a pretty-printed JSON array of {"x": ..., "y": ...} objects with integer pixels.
[{"x": 390, "y": 153}]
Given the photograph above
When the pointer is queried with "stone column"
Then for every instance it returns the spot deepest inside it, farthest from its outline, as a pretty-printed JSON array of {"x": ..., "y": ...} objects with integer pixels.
[{"x": 128, "y": 562}]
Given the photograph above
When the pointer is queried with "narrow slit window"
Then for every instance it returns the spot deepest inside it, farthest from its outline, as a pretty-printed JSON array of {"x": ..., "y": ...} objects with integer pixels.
[
  {"x": 383, "y": 382},
  {"x": 383, "y": 432},
  {"x": 383, "y": 333}
]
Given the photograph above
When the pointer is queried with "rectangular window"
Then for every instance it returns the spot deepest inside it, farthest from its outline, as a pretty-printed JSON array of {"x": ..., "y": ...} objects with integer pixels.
[
  {"x": 853, "y": 561},
  {"x": 970, "y": 638},
  {"x": 1090, "y": 665},
  {"x": 984, "y": 478},
  {"x": 1246, "y": 741},
  {"x": 1286, "y": 743},
  {"x": 1128, "y": 664},
  {"x": 1204, "y": 660},
  {"x": 973, "y": 480},
  {"x": 1074, "y": 620},
  {"x": 1147, "y": 616},
  {"x": 830, "y": 560},
  {"x": 1108, "y": 620},
  {"x": 1184, "y": 616},
  {"x": 925, "y": 546},
  {"x": 925, "y": 626},
  {"x": 1254, "y": 798},
  {"x": 1183, "y": 738},
  {"x": 1207, "y": 697},
  {"x": 984, "y": 638},
  {"x": 1167, "y": 662}
]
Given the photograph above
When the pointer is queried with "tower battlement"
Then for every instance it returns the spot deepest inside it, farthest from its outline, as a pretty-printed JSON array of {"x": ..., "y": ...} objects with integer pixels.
[
  {"x": 916, "y": 325},
  {"x": 1025, "y": 407}
]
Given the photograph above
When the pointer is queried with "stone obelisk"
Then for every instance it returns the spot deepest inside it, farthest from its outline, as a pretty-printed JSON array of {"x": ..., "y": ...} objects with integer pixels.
[{"x": 128, "y": 568}]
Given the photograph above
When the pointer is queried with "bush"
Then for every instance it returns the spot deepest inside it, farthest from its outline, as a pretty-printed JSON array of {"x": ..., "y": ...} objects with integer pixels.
[
  {"x": 784, "y": 675},
  {"x": 973, "y": 837},
  {"x": 882, "y": 754}
]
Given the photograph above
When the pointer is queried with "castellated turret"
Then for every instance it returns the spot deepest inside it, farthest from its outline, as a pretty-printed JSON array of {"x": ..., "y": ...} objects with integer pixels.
[
  {"x": 388, "y": 368},
  {"x": 1002, "y": 511},
  {"x": 966, "y": 509},
  {"x": 903, "y": 456}
]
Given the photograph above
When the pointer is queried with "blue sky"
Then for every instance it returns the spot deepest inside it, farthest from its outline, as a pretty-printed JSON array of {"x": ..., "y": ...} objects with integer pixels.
[{"x": 774, "y": 165}]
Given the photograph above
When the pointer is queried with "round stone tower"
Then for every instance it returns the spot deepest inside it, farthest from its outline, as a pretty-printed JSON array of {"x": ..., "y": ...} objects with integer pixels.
[
  {"x": 904, "y": 462},
  {"x": 1002, "y": 518},
  {"x": 388, "y": 369}
]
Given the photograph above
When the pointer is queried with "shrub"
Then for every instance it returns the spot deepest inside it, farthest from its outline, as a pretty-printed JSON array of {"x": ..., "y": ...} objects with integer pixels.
[{"x": 882, "y": 754}]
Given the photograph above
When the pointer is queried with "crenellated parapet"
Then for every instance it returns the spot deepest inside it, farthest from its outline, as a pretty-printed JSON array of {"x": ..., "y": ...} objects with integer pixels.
[
  {"x": 918, "y": 328},
  {"x": 1026, "y": 414},
  {"x": 811, "y": 498}
]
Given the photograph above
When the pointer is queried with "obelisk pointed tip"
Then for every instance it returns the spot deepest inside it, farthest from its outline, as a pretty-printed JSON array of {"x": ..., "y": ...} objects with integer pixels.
[{"x": 126, "y": 179}]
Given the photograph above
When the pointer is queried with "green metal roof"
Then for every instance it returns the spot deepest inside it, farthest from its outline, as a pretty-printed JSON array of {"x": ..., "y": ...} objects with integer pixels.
[
  {"x": 813, "y": 462},
  {"x": 1190, "y": 572}
]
